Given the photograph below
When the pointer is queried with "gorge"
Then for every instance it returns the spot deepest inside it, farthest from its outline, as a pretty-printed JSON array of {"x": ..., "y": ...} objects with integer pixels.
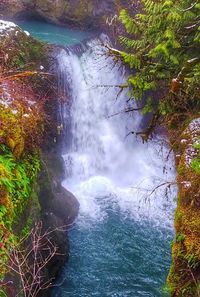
[{"x": 115, "y": 192}]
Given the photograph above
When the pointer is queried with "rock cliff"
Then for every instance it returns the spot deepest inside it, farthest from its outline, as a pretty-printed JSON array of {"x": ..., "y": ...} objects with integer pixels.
[{"x": 85, "y": 13}]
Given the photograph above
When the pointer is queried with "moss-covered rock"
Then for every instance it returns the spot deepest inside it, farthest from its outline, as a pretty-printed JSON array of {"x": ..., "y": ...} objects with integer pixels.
[
  {"x": 184, "y": 276},
  {"x": 18, "y": 50}
]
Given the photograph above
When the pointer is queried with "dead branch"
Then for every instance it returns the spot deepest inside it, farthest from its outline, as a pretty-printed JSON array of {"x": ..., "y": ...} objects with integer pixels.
[
  {"x": 126, "y": 111},
  {"x": 189, "y": 8},
  {"x": 29, "y": 263},
  {"x": 147, "y": 133},
  {"x": 149, "y": 192},
  {"x": 123, "y": 86},
  {"x": 114, "y": 52},
  {"x": 22, "y": 75}
]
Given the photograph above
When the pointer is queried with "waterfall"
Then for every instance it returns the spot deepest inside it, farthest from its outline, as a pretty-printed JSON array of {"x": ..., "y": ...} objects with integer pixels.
[
  {"x": 103, "y": 165},
  {"x": 120, "y": 242}
]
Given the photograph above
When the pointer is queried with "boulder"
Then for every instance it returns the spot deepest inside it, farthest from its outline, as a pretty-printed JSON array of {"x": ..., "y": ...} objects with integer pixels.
[
  {"x": 55, "y": 199},
  {"x": 65, "y": 206},
  {"x": 59, "y": 209}
]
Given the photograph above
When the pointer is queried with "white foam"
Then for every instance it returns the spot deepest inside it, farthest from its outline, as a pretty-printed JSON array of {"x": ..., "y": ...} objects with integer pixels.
[{"x": 104, "y": 168}]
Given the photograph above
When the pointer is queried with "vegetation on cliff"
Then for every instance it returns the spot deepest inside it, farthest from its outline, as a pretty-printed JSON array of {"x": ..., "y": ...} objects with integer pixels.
[
  {"x": 34, "y": 208},
  {"x": 22, "y": 123},
  {"x": 161, "y": 47},
  {"x": 184, "y": 276}
]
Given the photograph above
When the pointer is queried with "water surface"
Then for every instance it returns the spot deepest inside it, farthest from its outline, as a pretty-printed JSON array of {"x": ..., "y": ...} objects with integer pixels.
[{"x": 54, "y": 34}]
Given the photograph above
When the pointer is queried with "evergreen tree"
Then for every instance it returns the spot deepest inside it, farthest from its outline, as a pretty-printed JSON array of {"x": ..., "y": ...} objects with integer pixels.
[{"x": 161, "y": 46}]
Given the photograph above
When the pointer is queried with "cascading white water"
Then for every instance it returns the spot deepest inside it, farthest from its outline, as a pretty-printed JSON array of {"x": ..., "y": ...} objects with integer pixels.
[
  {"x": 120, "y": 243},
  {"x": 102, "y": 164}
]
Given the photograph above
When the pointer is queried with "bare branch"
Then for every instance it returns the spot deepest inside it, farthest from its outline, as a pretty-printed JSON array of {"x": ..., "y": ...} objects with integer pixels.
[
  {"x": 29, "y": 262},
  {"x": 126, "y": 111}
]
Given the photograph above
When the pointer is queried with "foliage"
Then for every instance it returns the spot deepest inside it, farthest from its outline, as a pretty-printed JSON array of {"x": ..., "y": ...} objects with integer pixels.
[
  {"x": 21, "y": 123},
  {"x": 24, "y": 95},
  {"x": 180, "y": 237},
  {"x": 22, "y": 119},
  {"x": 16, "y": 178},
  {"x": 196, "y": 161},
  {"x": 184, "y": 275},
  {"x": 161, "y": 47}
]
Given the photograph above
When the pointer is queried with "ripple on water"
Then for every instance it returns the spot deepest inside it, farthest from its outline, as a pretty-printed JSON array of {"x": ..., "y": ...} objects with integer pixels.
[{"x": 116, "y": 257}]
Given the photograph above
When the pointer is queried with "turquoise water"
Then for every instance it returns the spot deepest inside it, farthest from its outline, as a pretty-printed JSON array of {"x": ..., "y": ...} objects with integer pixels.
[
  {"x": 116, "y": 258},
  {"x": 120, "y": 244},
  {"x": 53, "y": 34}
]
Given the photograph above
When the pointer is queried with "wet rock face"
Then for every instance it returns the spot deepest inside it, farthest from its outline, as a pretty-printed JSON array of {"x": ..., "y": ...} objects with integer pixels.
[
  {"x": 87, "y": 13},
  {"x": 56, "y": 202},
  {"x": 59, "y": 209}
]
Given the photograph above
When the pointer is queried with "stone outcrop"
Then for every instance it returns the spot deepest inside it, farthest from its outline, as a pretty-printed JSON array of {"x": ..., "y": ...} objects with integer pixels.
[
  {"x": 58, "y": 204},
  {"x": 85, "y": 13}
]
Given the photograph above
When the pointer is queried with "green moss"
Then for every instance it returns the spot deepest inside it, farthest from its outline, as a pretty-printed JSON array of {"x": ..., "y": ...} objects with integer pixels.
[
  {"x": 177, "y": 218},
  {"x": 30, "y": 214},
  {"x": 195, "y": 164},
  {"x": 84, "y": 9},
  {"x": 181, "y": 169},
  {"x": 180, "y": 237}
]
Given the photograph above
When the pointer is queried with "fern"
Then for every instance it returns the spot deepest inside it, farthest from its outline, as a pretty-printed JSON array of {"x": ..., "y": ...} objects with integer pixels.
[
  {"x": 130, "y": 24},
  {"x": 158, "y": 42},
  {"x": 132, "y": 60}
]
